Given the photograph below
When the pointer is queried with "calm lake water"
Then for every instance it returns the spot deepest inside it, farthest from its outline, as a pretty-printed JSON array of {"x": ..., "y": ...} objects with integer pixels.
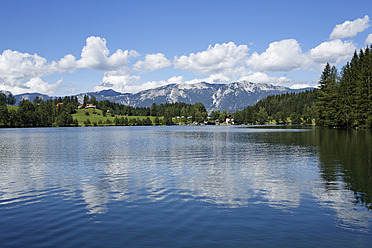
[{"x": 185, "y": 187}]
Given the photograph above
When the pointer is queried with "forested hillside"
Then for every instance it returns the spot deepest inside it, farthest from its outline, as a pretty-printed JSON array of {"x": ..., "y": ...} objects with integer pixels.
[{"x": 280, "y": 109}]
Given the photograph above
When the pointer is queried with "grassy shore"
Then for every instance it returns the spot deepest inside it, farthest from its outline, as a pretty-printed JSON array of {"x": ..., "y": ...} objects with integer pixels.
[{"x": 96, "y": 116}]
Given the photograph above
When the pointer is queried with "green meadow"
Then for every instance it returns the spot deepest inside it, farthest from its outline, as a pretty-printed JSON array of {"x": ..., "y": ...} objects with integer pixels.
[
  {"x": 11, "y": 107},
  {"x": 96, "y": 115}
]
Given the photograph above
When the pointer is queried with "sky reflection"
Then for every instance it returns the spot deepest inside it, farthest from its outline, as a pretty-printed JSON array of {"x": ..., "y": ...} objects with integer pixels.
[{"x": 231, "y": 168}]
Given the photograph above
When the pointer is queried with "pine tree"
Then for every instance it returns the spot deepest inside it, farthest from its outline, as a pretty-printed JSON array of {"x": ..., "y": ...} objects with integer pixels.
[
  {"x": 328, "y": 102},
  {"x": 324, "y": 78},
  {"x": 363, "y": 96}
]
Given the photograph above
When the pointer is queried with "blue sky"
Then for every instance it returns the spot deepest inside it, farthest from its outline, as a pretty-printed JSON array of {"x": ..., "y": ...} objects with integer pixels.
[{"x": 69, "y": 47}]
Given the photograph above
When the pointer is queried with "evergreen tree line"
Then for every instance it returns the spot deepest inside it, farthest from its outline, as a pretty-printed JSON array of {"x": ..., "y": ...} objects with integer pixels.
[
  {"x": 287, "y": 108},
  {"x": 345, "y": 99},
  {"x": 197, "y": 110},
  {"x": 168, "y": 112},
  {"x": 123, "y": 121},
  {"x": 39, "y": 113},
  {"x": 58, "y": 112},
  {"x": 7, "y": 99}
]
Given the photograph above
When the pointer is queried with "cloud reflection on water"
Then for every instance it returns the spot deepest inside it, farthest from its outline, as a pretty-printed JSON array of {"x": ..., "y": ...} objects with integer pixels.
[{"x": 228, "y": 167}]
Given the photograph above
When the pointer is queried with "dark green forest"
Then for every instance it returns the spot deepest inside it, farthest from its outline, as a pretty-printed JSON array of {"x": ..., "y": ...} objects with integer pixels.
[
  {"x": 343, "y": 100},
  {"x": 288, "y": 108}
]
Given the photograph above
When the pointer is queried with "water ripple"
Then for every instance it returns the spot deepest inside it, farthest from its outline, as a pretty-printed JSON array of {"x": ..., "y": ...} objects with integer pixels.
[{"x": 184, "y": 186}]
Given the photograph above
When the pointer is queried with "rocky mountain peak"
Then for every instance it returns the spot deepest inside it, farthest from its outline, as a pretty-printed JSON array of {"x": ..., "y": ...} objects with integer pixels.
[{"x": 233, "y": 96}]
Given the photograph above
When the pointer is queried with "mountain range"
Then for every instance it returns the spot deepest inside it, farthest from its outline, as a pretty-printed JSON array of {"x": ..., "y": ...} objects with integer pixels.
[{"x": 233, "y": 96}]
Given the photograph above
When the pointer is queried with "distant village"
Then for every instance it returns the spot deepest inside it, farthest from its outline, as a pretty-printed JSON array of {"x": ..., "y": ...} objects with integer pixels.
[{"x": 228, "y": 121}]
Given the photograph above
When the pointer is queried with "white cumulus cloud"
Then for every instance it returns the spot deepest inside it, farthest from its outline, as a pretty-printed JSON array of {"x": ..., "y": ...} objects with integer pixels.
[
  {"x": 95, "y": 56},
  {"x": 155, "y": 84},
  {"x": 128, "y": 84},
  {"x": 220, "y": 58},
  {"x": 212, "y": 79},
  {"x": 15, "y": 65},
  {"x": 349, "y": 29},
  {"x": 67, "y": 63},
  {"x": 152, "y": 62},
  {"x": 369, "y": 40},
  {"x": 37, "y": 85},
  {"x": 34, "y": 85},
  {"x": 117, "y": 80},
  {"x": 22, "y": 72},
  {"x": 334, "y": 52},
  {"x": 260, "y": 77},
  {"x": 284, "y": 55},
  {"x": 300, "y": 86}
]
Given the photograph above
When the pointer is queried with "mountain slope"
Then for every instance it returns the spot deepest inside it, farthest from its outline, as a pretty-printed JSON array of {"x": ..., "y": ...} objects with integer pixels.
[
  {"x": 32, "y": 96},
  {"x": 233, "y": 96}
]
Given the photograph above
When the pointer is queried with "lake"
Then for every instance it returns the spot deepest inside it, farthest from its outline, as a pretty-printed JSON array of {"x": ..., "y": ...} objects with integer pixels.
[{"x": 185, "y": 186}]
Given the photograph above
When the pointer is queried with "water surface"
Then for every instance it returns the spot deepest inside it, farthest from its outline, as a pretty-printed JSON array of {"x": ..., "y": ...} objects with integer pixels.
[{"x": 185, "y": 187}]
